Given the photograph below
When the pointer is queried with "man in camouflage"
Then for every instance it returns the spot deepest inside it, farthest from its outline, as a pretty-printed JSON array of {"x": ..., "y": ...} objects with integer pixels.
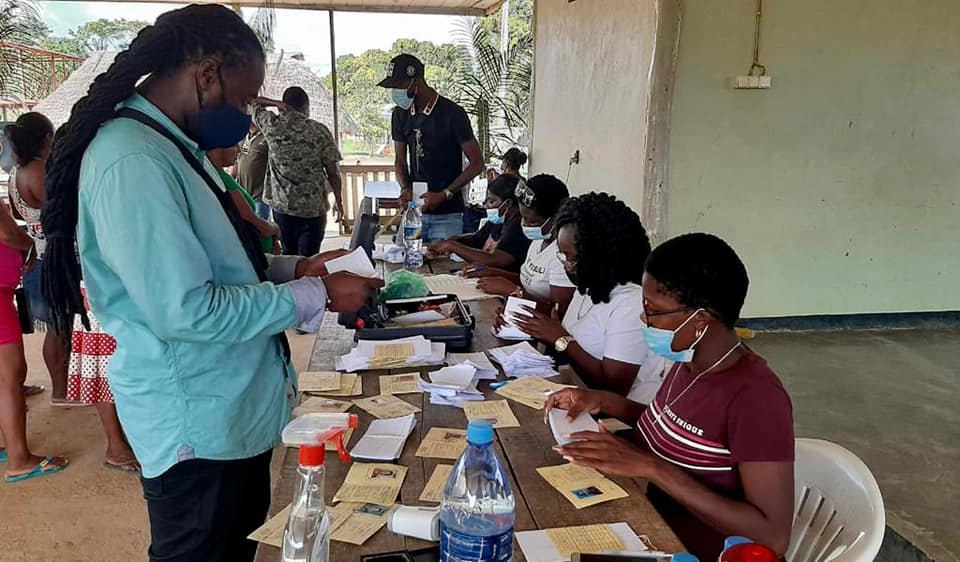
[{"x": 303, "y": 157}]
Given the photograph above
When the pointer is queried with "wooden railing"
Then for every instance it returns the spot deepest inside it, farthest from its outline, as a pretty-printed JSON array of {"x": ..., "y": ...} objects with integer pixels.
[{"x": 354, "y": 178}]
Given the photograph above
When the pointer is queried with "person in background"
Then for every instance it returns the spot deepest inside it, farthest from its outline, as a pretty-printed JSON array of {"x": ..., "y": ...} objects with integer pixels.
[
  {"x": 246, "y": 206},
  {"x": 716, "y": 444},
  {"x": 431, "y": 135},
  {"x": 500, "y": 242},
  {"x": 602, "y": 246},
  {"x": 21, "y": 463},
  {"x": 30, "y": 137},
  {"x": 202, "y": 376},
  {"x": 252, "y": 169},
  {"x": 510, "y": 163},
  {"x": 542, "y": 277},
  {"x": 303, "y": 157}
]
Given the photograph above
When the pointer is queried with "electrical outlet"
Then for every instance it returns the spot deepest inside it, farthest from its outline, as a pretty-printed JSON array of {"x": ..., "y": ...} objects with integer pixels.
[{"x": 752, "y": 82}]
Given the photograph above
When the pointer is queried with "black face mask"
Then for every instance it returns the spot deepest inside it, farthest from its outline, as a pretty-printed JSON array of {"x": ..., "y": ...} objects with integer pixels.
[{"x": 220, "y": 126}]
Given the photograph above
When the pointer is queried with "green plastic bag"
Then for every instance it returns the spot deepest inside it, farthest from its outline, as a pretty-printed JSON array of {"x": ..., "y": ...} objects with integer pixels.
[{"x": 403, "y": 284}]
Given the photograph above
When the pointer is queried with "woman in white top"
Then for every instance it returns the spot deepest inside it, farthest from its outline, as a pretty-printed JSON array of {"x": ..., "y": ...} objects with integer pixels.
[
  {"x": 31, "y": 137},
  {"x": 542, "y": 277},
  {"x": 603, "y": 248}
]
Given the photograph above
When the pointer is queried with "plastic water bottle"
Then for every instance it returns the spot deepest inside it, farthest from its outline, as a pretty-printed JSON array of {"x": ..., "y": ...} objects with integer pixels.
[
  {"x": 477, "y": 510},
  {"x": 412, "y": 237}
]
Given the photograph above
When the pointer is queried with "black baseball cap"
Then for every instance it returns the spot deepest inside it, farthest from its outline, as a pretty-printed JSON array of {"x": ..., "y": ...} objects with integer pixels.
[{"x": 401, "y": 70}]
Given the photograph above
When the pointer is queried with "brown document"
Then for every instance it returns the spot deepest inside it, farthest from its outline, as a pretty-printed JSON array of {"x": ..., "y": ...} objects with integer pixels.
[
  {"x": 585, "y": 539},
  {"x": 386, "y": 406},
  {"x": 405, "y": 383},
  {"x": 530, "y": 391},
  {"x": 271, "y": 532},
  {"x": 319, "y": 405},
  {"x": 362, "y": 523},
  {"x": 350, "y": 385},
  {"x": 443, "y": 443},
  {"x": 433, "y": 491},
  {"x": 387, "y": 355},
  {"x": 497, "y": 411},
  {"x": 318, "y": 381},
  {"x": 582, "y": 485},
  {"x": 377, "y": 483}
]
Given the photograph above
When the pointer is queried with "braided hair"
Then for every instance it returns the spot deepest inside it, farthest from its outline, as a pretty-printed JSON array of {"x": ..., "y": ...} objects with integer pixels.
[
  {"x": 611, "y": 243},
  {"x": 178, "y": 37},
  {"x": 27, "y": 136}
]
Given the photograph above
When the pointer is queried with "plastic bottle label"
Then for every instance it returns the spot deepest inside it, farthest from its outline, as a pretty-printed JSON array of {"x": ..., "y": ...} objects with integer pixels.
[
  {"x": 457, "y": 547},
  {"x": 412, "y": 232}
]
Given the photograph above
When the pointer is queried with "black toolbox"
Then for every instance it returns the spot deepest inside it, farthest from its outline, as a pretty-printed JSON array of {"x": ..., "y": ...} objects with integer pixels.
[{"x": 372, "y": 322}]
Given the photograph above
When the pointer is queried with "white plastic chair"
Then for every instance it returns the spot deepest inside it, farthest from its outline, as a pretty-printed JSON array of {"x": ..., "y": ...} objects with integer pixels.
[{"x": 839, "y": 510}]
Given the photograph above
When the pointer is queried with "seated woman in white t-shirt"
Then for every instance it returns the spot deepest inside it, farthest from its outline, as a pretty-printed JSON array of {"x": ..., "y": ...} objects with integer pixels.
[
  {"x": 603, "y": 248},
  {"x": 542, "y": 277}
]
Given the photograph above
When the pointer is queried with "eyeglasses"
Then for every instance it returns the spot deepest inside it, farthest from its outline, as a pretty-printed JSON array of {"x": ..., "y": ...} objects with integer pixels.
[
  {"x": 664, "y": 313},
  {"x": 567, "y": 262},
  {"x": 524, "y": 194}
]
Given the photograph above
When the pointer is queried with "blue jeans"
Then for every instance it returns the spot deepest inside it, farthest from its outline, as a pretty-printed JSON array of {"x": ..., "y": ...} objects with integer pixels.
[
  {"x": 300, "y": 236},
  {"x": 31, "y": 286},
  {"x": 441, "y": 227},
  {"x": 262, "y": 210}
]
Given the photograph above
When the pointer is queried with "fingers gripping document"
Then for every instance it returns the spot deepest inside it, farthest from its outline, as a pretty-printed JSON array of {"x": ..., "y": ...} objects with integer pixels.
[{"x": 562, "y": 427}]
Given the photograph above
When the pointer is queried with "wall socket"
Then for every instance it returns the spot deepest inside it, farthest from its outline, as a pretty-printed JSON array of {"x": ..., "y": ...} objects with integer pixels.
[{"x": 752, "y": 82}]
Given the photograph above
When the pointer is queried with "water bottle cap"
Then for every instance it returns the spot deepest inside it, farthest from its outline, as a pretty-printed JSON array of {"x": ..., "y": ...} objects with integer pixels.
[
  {"x": 734, "y": 541},
  {"x": 684, "y": 557},
  {"x": 480, "y": 432},
  {"x": 411, "y": 205}
]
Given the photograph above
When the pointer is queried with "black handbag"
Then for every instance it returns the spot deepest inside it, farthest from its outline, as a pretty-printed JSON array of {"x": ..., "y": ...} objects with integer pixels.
[{"x": 23, "y": 310}]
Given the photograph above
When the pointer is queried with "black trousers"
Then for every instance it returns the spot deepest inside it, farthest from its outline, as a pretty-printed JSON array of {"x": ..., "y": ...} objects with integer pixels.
[
  {"x": 202, "y": 510},
  {"x": 300, "y": 236}
]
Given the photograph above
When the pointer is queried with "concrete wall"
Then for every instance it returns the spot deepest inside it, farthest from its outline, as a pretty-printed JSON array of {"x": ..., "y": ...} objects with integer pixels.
[
  {"x": 840, "y": 186},
  {"x": 592, "y": 79}
]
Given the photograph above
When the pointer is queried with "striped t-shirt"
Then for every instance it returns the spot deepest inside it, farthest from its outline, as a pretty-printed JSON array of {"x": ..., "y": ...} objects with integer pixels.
[{"x": 740, "y": 414}]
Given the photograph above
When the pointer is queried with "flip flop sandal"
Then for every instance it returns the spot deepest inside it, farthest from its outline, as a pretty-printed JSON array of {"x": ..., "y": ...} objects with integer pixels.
[
  {"x": 38, "y": 471},
  {"x": 32, "y": 390},
  {"x": 130, "y": 466}
]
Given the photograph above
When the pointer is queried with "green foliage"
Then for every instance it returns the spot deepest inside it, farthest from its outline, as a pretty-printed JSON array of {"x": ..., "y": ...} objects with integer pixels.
[
  {"x": 104, "y": 34},
  {"x": 20, "y": 76}
]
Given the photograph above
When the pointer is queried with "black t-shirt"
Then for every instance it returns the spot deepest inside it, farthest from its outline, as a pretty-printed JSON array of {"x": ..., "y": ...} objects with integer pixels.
[
  {"x": 434, "y": 150},
  {"x": 510, "y": 239}
]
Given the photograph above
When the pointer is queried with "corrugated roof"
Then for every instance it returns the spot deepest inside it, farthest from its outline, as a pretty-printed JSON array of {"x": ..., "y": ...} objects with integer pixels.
[
  {"x": 454, "y": 7},
  {"x": 282, "y": 72}
]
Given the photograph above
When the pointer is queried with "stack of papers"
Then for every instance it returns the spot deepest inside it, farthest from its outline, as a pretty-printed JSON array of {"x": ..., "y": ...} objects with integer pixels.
[
  {"x": 390, "y": 253},
  {"x": 530, "y": 391},
  {"x": 551, "y": 545},
  {"x": 522, "y": 360},
  {"x": 513, "y": 309},
  {"x": 391, "y": 354},
  {"x": 465, "y": 289},
  {"x": 384, "y": 439},
  {"x": 453, "y": 386},
  {"x": 479, "y": 361}
]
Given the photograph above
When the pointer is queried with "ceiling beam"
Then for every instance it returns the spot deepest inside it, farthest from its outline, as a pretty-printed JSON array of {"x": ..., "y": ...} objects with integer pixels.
[{"x": 473, "y": 9}]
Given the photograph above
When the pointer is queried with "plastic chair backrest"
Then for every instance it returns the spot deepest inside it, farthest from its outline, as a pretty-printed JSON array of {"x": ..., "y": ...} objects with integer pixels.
[{"x": 838, "y": 511}]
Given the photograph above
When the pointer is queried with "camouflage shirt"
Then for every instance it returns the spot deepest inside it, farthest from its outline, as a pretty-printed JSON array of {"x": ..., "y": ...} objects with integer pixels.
[{"x": 299, "y": 147}]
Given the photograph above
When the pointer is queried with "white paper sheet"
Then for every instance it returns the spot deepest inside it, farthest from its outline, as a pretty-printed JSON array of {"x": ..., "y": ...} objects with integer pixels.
[
  {"x": 560, "y": 426},
  {"x": 479, "y": 361},
  {"x": 419, "y": 188},
  {"x": 384, "y": 439},
  {"x": 355, "y": 262},
  {"x": 464, "y": 288},
  {"x": 538, "y": 547},
  {"x": 513, "y": 309},
  {"x": 381, "y": 189}
]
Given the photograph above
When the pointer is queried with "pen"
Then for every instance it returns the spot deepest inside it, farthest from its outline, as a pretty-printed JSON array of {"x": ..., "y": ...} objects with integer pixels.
[{"x": 475, "y": 269}]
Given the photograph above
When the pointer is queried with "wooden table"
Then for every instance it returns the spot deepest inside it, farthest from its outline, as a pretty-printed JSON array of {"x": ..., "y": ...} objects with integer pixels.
[{"x": 524, "y": 449}]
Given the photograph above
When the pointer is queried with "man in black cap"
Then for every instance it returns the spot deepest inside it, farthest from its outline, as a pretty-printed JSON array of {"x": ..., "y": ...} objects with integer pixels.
[{"x": 431, "y": 135}]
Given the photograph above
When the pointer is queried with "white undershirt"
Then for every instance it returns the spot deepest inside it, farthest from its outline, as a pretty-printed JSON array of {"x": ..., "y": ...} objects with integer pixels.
[
  {"x": 541, "y": 269},
  {"x": 612, "y": 330}
]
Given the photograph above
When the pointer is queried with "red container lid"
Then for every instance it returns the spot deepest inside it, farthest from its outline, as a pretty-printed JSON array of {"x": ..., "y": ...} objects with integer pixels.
[
  {"x": 749, "y": 553},
  {"x": 311, "y": 456}
]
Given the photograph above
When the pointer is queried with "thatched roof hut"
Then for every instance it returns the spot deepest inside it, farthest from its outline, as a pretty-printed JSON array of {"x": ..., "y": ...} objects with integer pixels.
[{"x": 283, "y": 71}]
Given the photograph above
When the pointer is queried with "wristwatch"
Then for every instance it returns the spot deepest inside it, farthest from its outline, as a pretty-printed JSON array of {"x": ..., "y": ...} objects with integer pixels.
[
  {"x": 562, "y": 343},
  {"x": 448, "y": 193}
]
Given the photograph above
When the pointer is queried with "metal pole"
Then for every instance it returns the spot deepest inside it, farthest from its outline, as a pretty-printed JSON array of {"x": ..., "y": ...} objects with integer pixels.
[{"x": 333, "y": 76}]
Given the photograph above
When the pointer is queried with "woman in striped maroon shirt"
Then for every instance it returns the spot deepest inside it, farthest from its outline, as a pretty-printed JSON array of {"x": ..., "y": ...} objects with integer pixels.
[{"x": 716, "y": 444}]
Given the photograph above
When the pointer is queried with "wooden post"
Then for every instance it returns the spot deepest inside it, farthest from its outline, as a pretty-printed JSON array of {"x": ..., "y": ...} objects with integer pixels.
[{"x": 333, "y": 76}]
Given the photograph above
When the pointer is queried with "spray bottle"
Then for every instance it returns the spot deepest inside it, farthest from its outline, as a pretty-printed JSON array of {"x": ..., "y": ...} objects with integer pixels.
[{"x": 307, "y": 535}]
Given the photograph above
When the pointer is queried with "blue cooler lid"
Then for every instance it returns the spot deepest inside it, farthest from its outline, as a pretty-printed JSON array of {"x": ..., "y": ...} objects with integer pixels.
[{"x": 480, "y": 432}]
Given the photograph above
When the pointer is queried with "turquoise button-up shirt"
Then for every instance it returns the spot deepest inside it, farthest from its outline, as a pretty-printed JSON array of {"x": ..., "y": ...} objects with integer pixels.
[{"x": 198, "y": 371}]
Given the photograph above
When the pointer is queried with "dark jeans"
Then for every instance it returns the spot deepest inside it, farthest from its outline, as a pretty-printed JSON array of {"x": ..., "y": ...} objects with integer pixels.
[
  {"x": 202, "y": 510},
  {"x": 300, "y": 236}
]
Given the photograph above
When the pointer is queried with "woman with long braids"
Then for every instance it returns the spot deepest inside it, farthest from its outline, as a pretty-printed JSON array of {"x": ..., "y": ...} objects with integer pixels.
[{"x": 201, "y": 375}]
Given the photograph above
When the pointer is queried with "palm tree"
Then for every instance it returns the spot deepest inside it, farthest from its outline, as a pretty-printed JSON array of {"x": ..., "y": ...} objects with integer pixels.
[
  {"x": 21, "y": 77},
  {"x": 496, "y": 86}
]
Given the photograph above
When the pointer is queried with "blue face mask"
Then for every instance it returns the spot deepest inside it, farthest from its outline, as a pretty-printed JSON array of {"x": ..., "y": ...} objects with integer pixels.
[
  {"x": 536, "y": 232},
  {"x": 222, "y": 126},
  {"x": 494, "y": 217},
  {"x": 660, "y": 341},
  {"x": 401, "y": 98}
]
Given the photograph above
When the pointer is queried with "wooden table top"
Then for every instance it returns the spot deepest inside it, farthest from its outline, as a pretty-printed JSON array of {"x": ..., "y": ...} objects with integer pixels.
[{"x": 523, "y": 449}]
